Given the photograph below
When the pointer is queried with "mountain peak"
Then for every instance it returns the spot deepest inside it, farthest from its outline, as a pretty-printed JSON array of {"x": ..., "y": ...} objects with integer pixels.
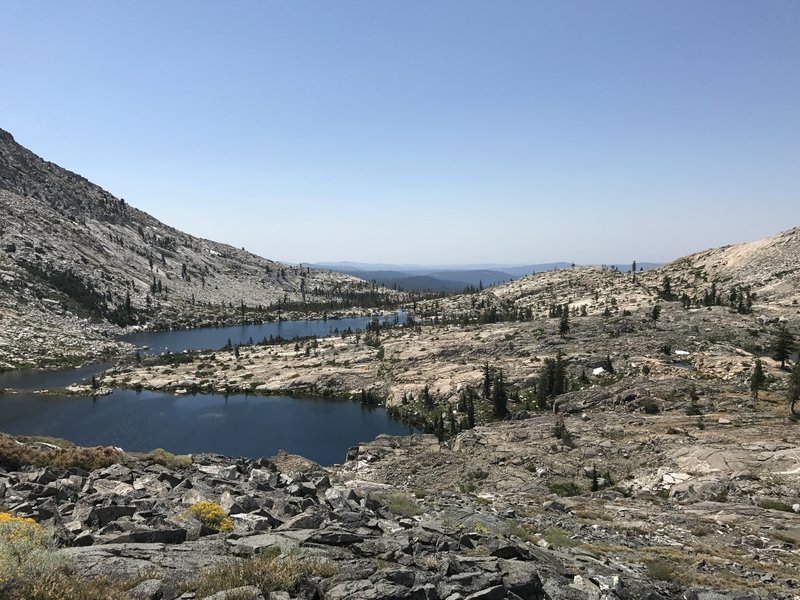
[{"x": 71, "y": 253}]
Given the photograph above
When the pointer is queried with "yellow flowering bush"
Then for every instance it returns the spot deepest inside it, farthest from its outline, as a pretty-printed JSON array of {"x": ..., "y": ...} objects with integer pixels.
[
  {"x": 211, "y": 515},
  {"x": 26, "y": 549}
]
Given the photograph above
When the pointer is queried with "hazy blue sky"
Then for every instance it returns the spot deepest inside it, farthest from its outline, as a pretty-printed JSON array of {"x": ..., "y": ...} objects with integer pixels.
[{"x": 422, "y": 131}]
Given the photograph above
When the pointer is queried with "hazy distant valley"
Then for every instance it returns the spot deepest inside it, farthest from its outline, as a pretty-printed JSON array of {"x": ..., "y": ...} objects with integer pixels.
[
  {"x": 589, "y": 431},
  {"x": 449, "y": 279}
]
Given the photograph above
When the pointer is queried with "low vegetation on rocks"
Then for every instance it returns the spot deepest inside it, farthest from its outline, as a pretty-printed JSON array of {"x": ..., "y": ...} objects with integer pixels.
[
  {"x": 18, "y": 452},
  {"x": 210, "y": 515}
]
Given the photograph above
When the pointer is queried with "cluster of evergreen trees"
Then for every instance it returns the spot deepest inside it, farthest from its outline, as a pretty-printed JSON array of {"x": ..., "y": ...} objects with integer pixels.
[
  {"x": 783, "y": 345},
  {"x": 740, "y": 299}
]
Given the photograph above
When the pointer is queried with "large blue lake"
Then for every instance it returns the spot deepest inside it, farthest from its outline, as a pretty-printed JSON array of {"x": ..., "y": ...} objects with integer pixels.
[{"x": 321, "y": 429}]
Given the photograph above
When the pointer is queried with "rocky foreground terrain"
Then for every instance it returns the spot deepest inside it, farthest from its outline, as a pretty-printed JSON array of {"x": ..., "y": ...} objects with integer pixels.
[
  {"x": 77, "y": 262},
  {"x": 682, "y": 507}
]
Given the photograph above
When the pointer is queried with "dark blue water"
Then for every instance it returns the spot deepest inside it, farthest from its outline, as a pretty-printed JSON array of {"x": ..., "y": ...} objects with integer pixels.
[
  {"x": 213, "y": 338},
  {"x": 321, "y": 429},
  {"x": 35, "y": 379},
  {"x": 253, "y": 426}
]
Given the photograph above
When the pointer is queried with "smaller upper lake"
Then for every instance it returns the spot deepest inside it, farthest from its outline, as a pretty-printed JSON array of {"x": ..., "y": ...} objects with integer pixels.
[{"x": 213, "y": 338}]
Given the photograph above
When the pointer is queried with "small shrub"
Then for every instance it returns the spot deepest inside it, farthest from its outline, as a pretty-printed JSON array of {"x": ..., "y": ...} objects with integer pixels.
[
  {"x": 211, "y": 515},
  {"x": 568, "y": 488},
  {"x": 401, "y": 504},
  {"x": 772, "y": 504},
  {"x": 60, "y": 585},
  {"x": 15, "y": 454},
  {"x": 650, "y": 406},
  {"x": 555, "y": 536},
  {"x": 560, "y": 432},
  {"x": 27, "y": 554},
  {"x": 477, "y": 474},
  {"x": 481, "y": 528},
  {"x": 524, "y": 531},
  {"x": 168, "y": 459},
  {"x": 468, "y": 487},
  {"x": 786, "y": 538},
  {"x": 662, "y": 570}
]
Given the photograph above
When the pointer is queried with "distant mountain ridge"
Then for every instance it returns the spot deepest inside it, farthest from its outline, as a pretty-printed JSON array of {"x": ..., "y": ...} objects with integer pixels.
[{"x": 453, "y": 279}]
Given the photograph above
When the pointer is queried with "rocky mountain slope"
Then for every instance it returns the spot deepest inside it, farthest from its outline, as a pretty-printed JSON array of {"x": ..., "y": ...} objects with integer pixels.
[
  {"x": 769, "y": 267},
  {"x": 75, "y": 260},
  {"x": 767, "y": 271}
]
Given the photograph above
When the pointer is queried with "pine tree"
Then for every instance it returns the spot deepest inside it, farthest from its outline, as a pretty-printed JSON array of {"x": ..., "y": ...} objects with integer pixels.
[
  {"x": 462, "y": 400},
  {"x": 783, "y": 345},
  {"x": 499, "y": 397},
  {"x": 563, "y": 326},
  {"x": 552, "y": 381},
  {"x": 426, "y": 398},
  {"x": 440, "y": 428},
  {"x": 559, "y": 376},
  {"x": 656, "y": 313},
  {"x": 666, "y": 288},
  {"x": 487, "y": 381},
  {"x": 757, "y": 379}
]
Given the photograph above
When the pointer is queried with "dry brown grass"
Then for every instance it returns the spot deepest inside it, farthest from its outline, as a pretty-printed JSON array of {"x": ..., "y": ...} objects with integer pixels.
[
  {"x": 268, "y": 571},
  {"x": 59, "y": 585},
  {"x": 16, "y": 453},
  {"x": 172, "y": 461}
]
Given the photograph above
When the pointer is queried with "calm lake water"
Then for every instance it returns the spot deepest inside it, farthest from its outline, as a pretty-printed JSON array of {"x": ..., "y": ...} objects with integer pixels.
[
  {"x": 253, "y": 426},
  {"x": 317, "y": 428},
  {"x": 213, "y": 338}
]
